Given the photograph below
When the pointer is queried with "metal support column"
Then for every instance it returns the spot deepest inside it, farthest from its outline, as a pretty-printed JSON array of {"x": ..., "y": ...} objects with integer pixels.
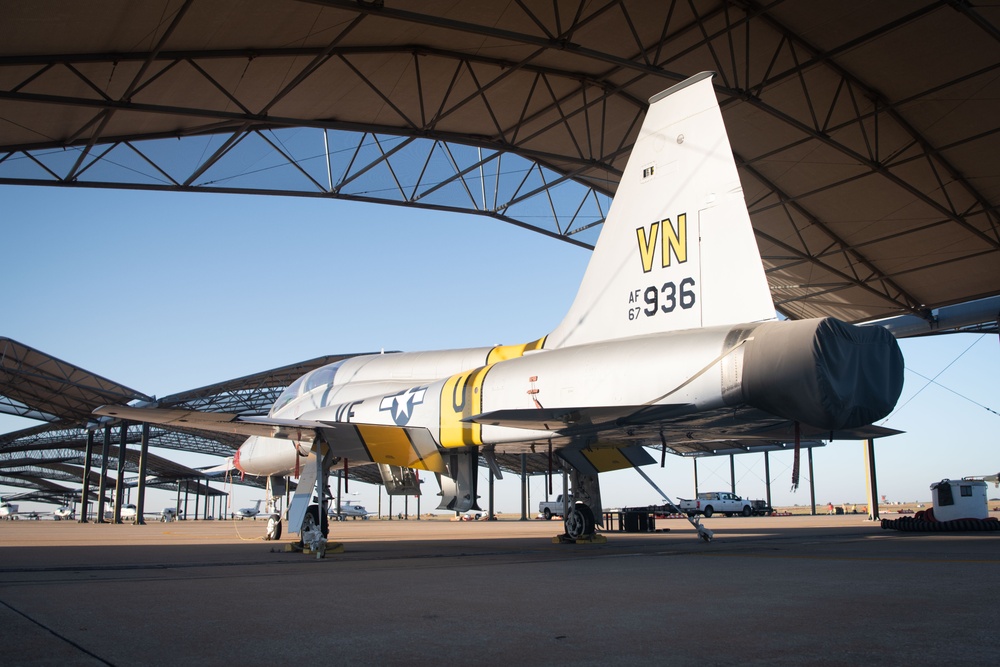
[
  {"x": 339, "y": 498},
  {"x": 695, "y": 460},
  {"x": 140, "y": 496},
  {"x": 177, "y": 502},
  {"x": 490, "y": 516},
  {"x": 187, "y": 490},
  {"x": 197, "y": 498},
  {"x": 85, "y": 491},
  {"x": 120, "y": 477},
  {"x": 812, "y": 482},
  {"x": 102, "y": 487},
  {"x": 732, "y": 473},
  {"x": 870, "y": 477},
  {"x": 527, "y": 486},
  {"x": 767, "y": 478},
  {"x": 524, "y": 487}
]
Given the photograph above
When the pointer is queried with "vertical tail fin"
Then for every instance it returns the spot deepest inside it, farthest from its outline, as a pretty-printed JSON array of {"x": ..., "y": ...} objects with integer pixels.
[{"x": 677, "y": 250}]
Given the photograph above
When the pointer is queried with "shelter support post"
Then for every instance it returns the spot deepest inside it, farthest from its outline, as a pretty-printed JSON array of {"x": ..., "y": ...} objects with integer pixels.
[
  {"x": 120, "y": 476},
  {"x": 732, "y": 473},
  {"x": 767, "y": 478},
  {"x": 85, "y": 491},
  {"x": 524, "y": 487},
  {"x": 695, "y": 461},
  {"x": 339, "y": 497},
  {"x": 812, "y": 482},
  {"x": 527, "y": 489},
  {"x": 197, "y": 497},
  {"x": 102, "y": 487},
  {"x": 177, "y": 502},
  {"x": 187, "y": 490},
  {"x": 872, "y": 480},
  {"x": 490, "y": 515},
  {"x": 140, "y": 496}
]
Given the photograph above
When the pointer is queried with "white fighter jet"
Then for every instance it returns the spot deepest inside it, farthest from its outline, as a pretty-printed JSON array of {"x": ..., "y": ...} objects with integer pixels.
[{"x": 672, "y": 343}]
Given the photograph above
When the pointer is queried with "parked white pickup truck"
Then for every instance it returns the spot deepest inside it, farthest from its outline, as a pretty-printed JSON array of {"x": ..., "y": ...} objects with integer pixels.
[
  {"x": 549, "y": 507},
  {"x": 714, "y": 502}
]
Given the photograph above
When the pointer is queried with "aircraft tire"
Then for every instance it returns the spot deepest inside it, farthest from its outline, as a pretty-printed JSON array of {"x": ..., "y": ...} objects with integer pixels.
[
  {"x": 579, "y": 522},
  {"x": 273, "y": 531},
  {"x": 311, "y": 519}
]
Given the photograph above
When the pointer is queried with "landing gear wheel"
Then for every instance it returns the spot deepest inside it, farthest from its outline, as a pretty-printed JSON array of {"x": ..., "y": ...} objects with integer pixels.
[
  {"x": 313, "y": 531},
  {"x": 579, "y": 522},
  {"x": 273, "y": 531},
  {"x": 547, "y": 513}
]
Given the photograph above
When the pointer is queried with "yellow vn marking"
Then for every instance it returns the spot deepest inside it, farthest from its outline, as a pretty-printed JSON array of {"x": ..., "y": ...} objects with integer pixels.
[{"x": 673, "y": 241}]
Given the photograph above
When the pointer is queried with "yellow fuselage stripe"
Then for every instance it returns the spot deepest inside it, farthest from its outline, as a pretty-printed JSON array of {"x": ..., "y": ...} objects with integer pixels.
[{"x": 462, "y": 397}]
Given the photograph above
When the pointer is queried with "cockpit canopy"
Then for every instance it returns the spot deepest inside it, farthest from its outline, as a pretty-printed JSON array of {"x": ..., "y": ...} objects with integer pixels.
[{"x": 321, "y": 377}]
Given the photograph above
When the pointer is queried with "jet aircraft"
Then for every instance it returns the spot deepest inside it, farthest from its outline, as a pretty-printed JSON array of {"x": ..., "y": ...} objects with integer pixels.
[
  {"x": 249, "y": 512},
  {"x": 8, "y": 511},
  {"x": 671, "y": 343},
  {"x": 348, "y": 508}
]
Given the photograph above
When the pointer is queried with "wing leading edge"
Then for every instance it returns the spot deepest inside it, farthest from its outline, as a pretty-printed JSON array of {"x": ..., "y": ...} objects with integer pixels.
[{"x": 411, "y": 447}]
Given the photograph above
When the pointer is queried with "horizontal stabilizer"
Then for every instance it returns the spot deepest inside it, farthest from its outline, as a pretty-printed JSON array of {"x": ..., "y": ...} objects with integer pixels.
[{"x": 787, "y": 432}]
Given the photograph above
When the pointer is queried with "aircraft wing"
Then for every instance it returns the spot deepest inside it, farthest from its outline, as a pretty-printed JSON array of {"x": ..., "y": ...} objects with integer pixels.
[
  {"x": 217, "y": 422},
  {"x": 412, "y": 447}
]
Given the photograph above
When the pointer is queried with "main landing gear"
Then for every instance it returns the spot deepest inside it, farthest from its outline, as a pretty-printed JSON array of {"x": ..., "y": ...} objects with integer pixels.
[
  {"x": 315, "y": 529},
  {"x": 579, "y": 522}
]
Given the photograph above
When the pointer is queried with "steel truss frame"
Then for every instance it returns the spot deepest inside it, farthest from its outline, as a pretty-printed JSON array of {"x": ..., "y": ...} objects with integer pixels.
[
  {"x": 513, "y": 171},
  {"x": 500, "y": 173}
]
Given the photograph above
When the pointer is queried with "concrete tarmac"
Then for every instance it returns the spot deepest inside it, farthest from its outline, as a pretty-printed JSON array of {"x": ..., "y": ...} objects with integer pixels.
[{"x": 827, "y": 590}]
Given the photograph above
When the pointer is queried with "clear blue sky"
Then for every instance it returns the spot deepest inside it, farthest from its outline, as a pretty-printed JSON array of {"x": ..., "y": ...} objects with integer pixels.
[{"x": 166, "y": 292}]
